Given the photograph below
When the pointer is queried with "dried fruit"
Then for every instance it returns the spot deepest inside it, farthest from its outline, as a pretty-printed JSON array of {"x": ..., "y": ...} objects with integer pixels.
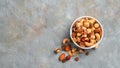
[
  {"x": 57, "y": 50},
  {"x": 68, "y": 57},
  {"x": 62, "y": 57},
  {"x": 76, "y": 58}
]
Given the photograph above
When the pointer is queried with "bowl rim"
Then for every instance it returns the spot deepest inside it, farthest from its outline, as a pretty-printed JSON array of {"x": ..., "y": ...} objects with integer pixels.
[{"x": 95, "y": 43}]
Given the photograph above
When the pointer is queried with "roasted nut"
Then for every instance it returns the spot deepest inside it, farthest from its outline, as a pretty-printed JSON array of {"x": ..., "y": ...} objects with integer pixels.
[
  {"x": 92, "y": 36},
  {"x": 97, "y": 35},
  {"x": 57, "y": 50},
  {"x": 68, "y": 57},
  {"x": 84, "y": 28},
  {"x": 82, "y": 44},
  {"x": 96, "y": 25},
  {"x": 74, "y": 39},
  {"x": 92, "y": 21},
  {"x": 76, "y": 58},
  {"x": 90, "y": 43},
  {"x": 87, "y": 53},
  {"x": 62, "y": 57},
  {"x": 67, "y": 48},
  {"x": 63, "y": 47},
  {"x": 89, "y": 30},
  {"x": 86, "y": 24},
  {"x": 78, "y": 25},
  {"x": 65, "y": 40}
]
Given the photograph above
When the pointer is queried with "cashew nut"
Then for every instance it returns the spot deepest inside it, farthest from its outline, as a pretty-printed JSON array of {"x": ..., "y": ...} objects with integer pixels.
[
  {"x": 66, "y": 40},
  {"x": 97, "y": 35},
  {"x": 96, "y": 25},
  {"x": 90, "y": 43}
]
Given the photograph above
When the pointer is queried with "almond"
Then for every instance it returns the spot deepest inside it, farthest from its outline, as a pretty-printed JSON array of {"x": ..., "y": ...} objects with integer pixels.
[{"x": 62, "y": 57}]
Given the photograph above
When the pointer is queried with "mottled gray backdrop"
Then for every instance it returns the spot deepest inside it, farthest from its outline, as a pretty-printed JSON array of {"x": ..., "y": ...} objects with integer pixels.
[{"x": 31, "y": 29}]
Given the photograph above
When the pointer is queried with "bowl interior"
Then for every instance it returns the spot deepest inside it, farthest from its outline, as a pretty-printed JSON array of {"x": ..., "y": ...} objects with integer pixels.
[{"x": 92, "y": 45}]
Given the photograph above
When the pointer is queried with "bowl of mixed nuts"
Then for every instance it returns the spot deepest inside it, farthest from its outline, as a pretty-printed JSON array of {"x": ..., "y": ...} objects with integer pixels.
[{"x": 86, "y": 32}]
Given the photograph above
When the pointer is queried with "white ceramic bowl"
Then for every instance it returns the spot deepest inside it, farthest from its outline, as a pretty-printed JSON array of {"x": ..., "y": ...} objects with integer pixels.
[{"x": 95, "y": 43}]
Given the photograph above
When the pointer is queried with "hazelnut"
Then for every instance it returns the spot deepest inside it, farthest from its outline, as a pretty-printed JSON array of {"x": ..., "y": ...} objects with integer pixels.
[
  {"x": 57, "y": 50},
  {"x": 96, "y": 25},
  {"x": 78, "y": 25},
  {"x": 76, "y": 58},
  {"x": 67, "y": 48}
]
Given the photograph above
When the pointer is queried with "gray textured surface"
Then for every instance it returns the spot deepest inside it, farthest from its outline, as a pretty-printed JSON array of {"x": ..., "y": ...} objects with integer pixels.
[{"x": 31, "y": 29}]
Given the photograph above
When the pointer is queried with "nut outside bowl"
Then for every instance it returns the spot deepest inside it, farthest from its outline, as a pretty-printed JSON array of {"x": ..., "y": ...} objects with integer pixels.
[{"x": 92, "y": 45}]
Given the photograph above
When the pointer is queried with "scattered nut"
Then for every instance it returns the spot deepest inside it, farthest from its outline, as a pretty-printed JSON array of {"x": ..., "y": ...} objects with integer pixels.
[
  {"x": 62, "y": 57},
  {"x": 68, "y": 57},
  {"x": 57, "y": 50},
  {"x": 66, "y": 40},
  {"x": 96, "y": 25},
  {"x": 67, "y": 48},
  {"x": 76, "y": 58},
  {"x": 87, "y": 53}
]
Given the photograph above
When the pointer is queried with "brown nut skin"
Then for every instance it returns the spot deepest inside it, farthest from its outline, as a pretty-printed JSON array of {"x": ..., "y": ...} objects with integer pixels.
[
  {"x": 62, "y": 57},
  {"x": 67, "y": 57}
]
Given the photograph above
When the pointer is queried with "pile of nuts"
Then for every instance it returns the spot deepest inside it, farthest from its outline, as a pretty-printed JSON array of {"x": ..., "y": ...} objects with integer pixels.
[
  {"x": 71, "y": 51},
  {"x": 86, "y": 32}
]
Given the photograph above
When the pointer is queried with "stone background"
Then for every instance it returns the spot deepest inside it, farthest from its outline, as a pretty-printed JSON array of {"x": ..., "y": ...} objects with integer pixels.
[{"x": 31, "y": 29}]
